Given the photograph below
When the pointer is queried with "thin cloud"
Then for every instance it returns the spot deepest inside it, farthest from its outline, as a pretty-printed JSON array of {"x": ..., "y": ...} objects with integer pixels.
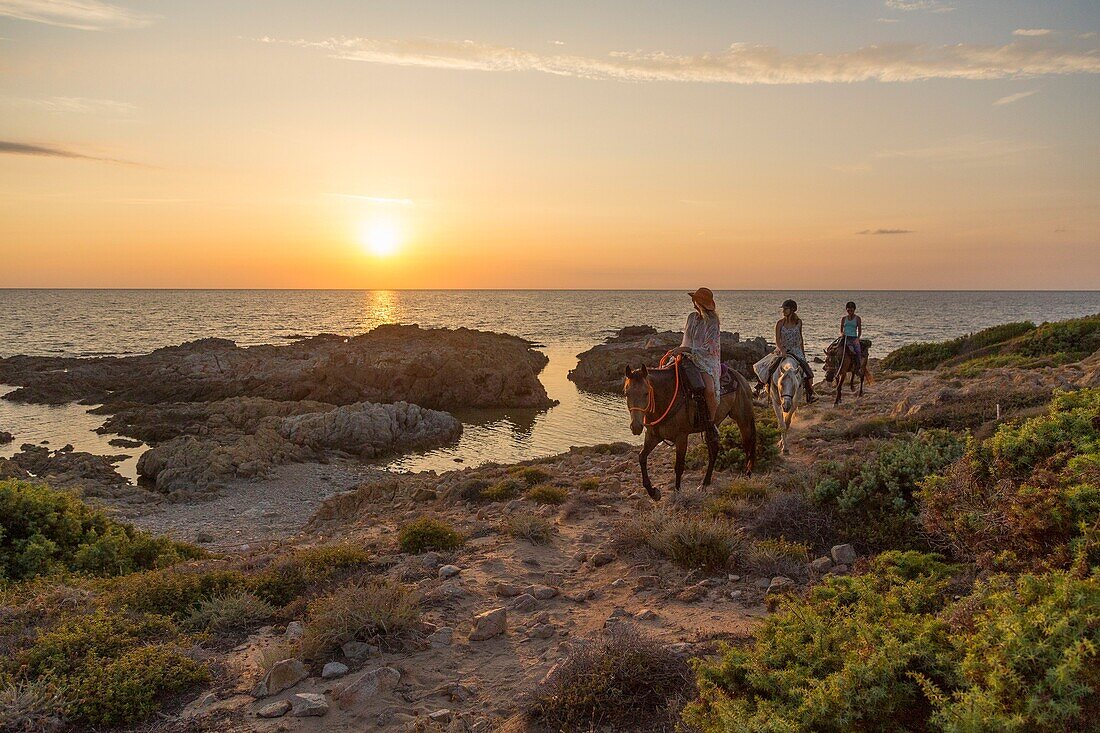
[
  {"x": 886, "y": 231},
  {"x": 1014, "y": 98},
  {"x": 741, "y": 63},
  {"x": 963, "y": 150},
  {"x": 931, "y": 6},
  {"x": 1032, "y": 32},
  {"x": 85, "y": 15},
  {"x": 9, "y": 147},
  {"x": 75, "y": 105},
  {"x": 384, "y": 200},
  {"x": 887, "y": 20}
]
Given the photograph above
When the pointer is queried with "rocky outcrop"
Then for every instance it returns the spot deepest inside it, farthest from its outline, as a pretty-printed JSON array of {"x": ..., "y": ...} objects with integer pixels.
[
  {"x": 437, "y": 368},
  {"x": 600, "y": 369},
  {"x": 245, "y": 445}
]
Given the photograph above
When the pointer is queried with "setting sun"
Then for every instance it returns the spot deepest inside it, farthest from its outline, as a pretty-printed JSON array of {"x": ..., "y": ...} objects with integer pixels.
[{"x": 381, "y": 237}]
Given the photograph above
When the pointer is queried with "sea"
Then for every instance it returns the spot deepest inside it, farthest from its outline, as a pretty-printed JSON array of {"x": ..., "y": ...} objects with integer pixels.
[{"x": 562, "y": 323}]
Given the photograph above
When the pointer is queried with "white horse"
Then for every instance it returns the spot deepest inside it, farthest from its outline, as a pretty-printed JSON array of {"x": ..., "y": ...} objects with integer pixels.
[{"x": 785, "y": 388}]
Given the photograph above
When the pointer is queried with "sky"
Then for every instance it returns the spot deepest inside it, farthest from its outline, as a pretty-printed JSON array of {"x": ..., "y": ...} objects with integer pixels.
[{"x": 823, "y": 144}]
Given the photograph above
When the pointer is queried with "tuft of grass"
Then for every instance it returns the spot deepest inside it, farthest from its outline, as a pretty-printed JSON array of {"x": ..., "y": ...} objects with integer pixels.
[
  {"x": 289, "y": 575},
  {"x": 547, "y": 494},
  {"x": 531, "y": 527},
  {"x": 694, "y": 542},
  {"x": 589, "y": 484},
  {"x": 376, "y": 611},
  {"x": 502, "y": 490},
  {"x": 31, "y": 707},
  {"x": 530, "y": 475},
  {"x": 173, "y": 592},
  {"x": 235, "y": 610},
  {"x": 426, "y": 534},
  {"x": 777, "y": 556},
  {"x": 622, "y": 681}
]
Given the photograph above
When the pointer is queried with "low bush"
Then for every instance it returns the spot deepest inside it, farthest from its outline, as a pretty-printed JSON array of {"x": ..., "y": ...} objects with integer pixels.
[
  {"x": 47, "y": 531},
  {"x": 375, "y": 611},
  {"x": 472, "y": 489},
  {"x": 589, "y": 484},
  {"x": 739, "y": 497},
  {"x": 793, "y": 515},
  {"x": 173, "y": 592},
  {"x": 30, "y": 707},
  {"x": 290, "y": 574},
  {"x": 546, "y": 494},
  {"x": 777, "y": 556},
  {"x": 694, "y": 542},
  {"x": 889, "y": 651},
  {"x": 531, "y": 527},
  {"x": 730, "y": 454},
  {"x": 530, "y": 475},
  {"x": 975, "y": 410},
  {"x": 234, "y": 610},
  {"x": 622, "y": 681},
  {"x": 502, "y": 490},
  {"x": 1075, "y": 338},
  {"x": 931, "y": 355},
  {"x": 426, "y": 534}
]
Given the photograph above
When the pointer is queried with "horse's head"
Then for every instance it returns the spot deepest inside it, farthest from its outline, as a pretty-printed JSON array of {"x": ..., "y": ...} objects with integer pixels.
[
  {"x": 639, "y": 397},
  {"x": 830, "y": 365},
  {"x": 789, "y": 381}
]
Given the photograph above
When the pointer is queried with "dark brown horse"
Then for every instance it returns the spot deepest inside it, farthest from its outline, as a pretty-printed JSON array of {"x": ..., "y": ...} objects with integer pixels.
[
  {"x": 840, "y": 362},
  {"x": 663, "y": 408}
]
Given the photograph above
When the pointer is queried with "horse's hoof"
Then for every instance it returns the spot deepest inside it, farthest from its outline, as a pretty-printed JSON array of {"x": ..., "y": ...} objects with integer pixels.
[{"x": 654, "y": 493}]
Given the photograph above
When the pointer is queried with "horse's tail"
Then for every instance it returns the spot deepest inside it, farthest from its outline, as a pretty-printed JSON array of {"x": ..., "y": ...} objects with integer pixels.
[{"x": 745, "y": 414}]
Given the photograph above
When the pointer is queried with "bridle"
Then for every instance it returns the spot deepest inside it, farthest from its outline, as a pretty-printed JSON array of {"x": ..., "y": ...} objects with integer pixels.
[{"x": 651, "y": 406}]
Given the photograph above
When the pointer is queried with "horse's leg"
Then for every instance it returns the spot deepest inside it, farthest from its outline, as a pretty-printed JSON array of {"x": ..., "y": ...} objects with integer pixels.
[
  {"x": 681, "y": 452},
  {"x": 778, "y": 408},
  {"x": 746, "y": 423},
  {"x": 651, "y": 442},
  {"x": 839, "y": 388},
  {"x": 712, "y": 454}
]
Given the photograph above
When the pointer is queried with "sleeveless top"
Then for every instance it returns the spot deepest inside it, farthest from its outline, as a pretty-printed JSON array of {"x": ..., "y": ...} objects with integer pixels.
[
  {"x": 850, "y": 327},
  {"x": 791, "y": 339}
]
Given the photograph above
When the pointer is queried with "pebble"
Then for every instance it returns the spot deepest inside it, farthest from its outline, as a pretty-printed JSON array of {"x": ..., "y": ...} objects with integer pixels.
[
  {"x": 276, "y": 709},
  {"x": 333, "y": 670},
  {"x": 490, "y": 624},
  {"x": 309, "y": 704},
  {"x": 449, "y": 571}
]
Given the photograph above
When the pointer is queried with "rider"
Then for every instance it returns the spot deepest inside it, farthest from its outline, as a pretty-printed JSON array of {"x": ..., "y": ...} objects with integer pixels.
[
  {"x": 702, "y": 349},
  {"x": 851, "y": 330},
  {"x": 789, "y": 342}
]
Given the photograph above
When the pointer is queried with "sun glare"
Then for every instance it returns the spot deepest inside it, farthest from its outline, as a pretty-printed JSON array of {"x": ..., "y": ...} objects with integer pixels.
[{"x": 381, "y": 237}]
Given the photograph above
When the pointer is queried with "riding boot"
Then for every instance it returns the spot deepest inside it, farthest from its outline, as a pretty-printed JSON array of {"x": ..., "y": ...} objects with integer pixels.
[
  {"x": 702, "y": 412},
  {"x": 810, "y": 397}
]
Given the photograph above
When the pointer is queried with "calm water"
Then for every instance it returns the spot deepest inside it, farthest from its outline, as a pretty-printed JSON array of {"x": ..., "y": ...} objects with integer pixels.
[{"x": 564, "y": 323}]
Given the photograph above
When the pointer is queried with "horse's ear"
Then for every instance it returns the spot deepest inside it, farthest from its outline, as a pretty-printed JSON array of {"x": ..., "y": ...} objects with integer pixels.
[
  {"x": 643, "y": 372},
  {"x": 626, "y": 371}
]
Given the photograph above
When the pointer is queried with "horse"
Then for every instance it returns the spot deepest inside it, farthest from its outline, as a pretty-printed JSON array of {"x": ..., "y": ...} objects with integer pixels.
[
  {"x": 785, "y": 385},
  {"x": 661, "y": 406},
  {"x": 847, "y": 366}
]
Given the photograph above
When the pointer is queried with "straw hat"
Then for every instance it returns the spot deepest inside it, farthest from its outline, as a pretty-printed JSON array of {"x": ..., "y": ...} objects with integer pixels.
[{"x": 704, "y": 298}]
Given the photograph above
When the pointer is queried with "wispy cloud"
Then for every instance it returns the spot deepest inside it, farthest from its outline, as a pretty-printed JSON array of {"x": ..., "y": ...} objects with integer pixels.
[
  {"x": 739, "y": 64},
  {"x": 76, "y": 105},
  {"x": 961, "y": 150},
  {"x": 384, "y": 200},
  {"x": 931, "y": 6},
  {"x": 1014, "y": 97},
  {"x": 887, "y": 20},
  {"x": 886, "y": 231},
  {"x": 1032, "y": 32},
  {"x": 8, "y": 147},
  {"x": 85, "y": 15}
]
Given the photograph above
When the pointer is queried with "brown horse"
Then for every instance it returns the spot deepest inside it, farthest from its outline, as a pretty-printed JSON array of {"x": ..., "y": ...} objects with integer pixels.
[
  {"x": 660, "y": 405},
  {"x": 847, "y": 366}
]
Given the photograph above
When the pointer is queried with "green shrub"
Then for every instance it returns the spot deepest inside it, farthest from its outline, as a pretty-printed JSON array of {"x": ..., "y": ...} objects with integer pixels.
[
  {"x": 375, "y": 611},
  {"x": 694, "y": 542},
  {"x": 46, "y": 531},
  {"x": 235, "y": 610},
  {"x": 530, "y": 475},
  {"x": 531, "y": 527},
  {"x": 289, "y": 575},
  {"x": 546, "y": 494},
  {"x": 777, "y": 556},
  {"x": 622, "y": 681},
  {"x": 472, "y": 489},
  {"x": 173, "y": 592},
  {"x": 502, "y": 490},
  {"x": 978, "y": 408},
  {"x": 730, "y": 454},
  {"x": 740, "y": 496},
  {"x": 931, "y": 355},
  {"x": 1076, "y": 338},
  {"x": 425, "y": 534},
  {"x": 65, "y": 649}
]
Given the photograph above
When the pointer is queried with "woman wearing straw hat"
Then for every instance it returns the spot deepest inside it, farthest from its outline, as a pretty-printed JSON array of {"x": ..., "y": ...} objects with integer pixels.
[{"x": 702, "y": 348}]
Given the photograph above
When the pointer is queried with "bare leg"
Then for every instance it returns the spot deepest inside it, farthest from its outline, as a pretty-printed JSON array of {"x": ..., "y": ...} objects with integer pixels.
[
  {"x": 712, "y": 397},
  {"x": 651, "y": 441}
]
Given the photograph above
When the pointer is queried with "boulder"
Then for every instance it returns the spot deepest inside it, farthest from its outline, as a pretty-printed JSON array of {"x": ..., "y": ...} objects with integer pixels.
[
  {"x": 822, "y": 564},
  {"x": 276, "y": 709},
  {"x": 332, "y": 670},
  {"x": 369, "y": 429},
  {"x": 843, "y": 554},
  {"x": 282, "y": 676},
  {"x": 489, "y": 624},
  {"x": 6, "y": 437},
  {"x": 361, "y": 687},
  {"x": 523, "y": 603},
  {"x": 308, "y": 705}
]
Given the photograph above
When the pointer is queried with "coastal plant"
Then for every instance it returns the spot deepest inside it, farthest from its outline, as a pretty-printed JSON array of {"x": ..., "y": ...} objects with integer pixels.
[
  {"x": 49, "y": 531},
  {"x": 30, "y": 707},
  {"x": 290, "y": 574},
  {"x": 589, "y": 484},
  {"x": 1076, "y": 338},
  {"x": 777, "y": 556},
  {"x": 791, "y": 514},
  {"x": 472, "y": 489},
  {"x": 377, "y": 611},
  {"x": 427, "y": 534},
  {"x": 739, "y": 497},
  {"x": 237, "y": 609},
  {"x": 502, "y": 490},
  {"x": 531, "y": 527},
  {"x": 530, "y": 475},
  {"x": 619, "y": 681},
  {"x": 705, "y": 543},
  {"x": 730, "y": 454},
  {"x": 546, "y": 494},
  {"x": 931, "y": 355},
  {"x": 172, "y": 592}
]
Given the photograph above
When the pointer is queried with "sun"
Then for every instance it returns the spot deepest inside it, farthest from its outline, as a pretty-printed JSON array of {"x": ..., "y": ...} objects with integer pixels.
[{"x": 381, "y": 237}]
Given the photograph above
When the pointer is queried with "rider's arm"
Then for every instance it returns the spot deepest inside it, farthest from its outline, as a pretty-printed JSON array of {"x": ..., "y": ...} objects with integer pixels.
[
  {"x": 712, "y": 340},
  {"x": 801, "y": 340},
  {"x": 842, "y": 318},
  {"x": 778, "y": 343},
  {"x": 859, "y": 327}
]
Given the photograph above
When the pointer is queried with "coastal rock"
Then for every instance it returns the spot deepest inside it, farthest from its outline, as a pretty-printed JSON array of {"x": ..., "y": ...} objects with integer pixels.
[
  {"x": 843, "y": 554},
  {"x": 489, "y": 624},
  {"x": 6, "y": 437},
  {"x": 282, "y": 676},
  {"x": 600, "y": 369},
  {"x": 370, "y": 429},
  {"x": 308, "y": 705},
  {"x": 332, "y": 670},
  {"x": 436, "y": 368},
  {"x": 276, "y": 709},
  {"x": 361, "y": 687}
]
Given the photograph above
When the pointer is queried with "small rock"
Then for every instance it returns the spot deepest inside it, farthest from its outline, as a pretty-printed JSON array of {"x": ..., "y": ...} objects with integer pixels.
[
  {"x": 442, "y": 637},
  {"x": 308, "y": 705},
  {"x": 508, "y": 590},
  {"x": 204, "y": 538},
  {"x": 282, "y": 676},
  {"x": 276, "y": 709},
  {"x": 618, "y": 583},
  {"x": 646, "y": 614},
  {"x": 440, "y": 716},
  {"x": 523, "y": 603},
  {"x": 839, "y": 570},
  {"x": 424, "y": 494},
  {"x": 645, "y": 582},
  {"x": 734, "y": 578},
  {"x": 541, "y": 592},
  {"x": 6, "y": 437},
  {"x": 601, "y": 558},
  {"x": 822, "y": 564},
  {"x": 580, "y": 556},
  {"x": 780, "y": 584},
  {"x": 333, "y": 670},
  {"x": 365, "y": 685},
  {"x": 680, "y": 648},
  {"x": 762, "y": 583},
  {"x": 843, "y": 554},
  {"x": 358, "y": 651},
  {"x": 735, "y": 594},
  {"x": 692, "y": 593},
  {"x": 449, "y": 571},
  {"x": 490, "y": 624},
  {"x": 294, "y": 631},
  {"x": 541, "y": 631}
]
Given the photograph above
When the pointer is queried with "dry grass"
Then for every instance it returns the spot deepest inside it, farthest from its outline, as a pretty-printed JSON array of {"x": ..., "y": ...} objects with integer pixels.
[
  {"x": 771, "y": 557},
  {"x": 547, "y": 494},
  {"x": 235, "y": 610},
  {"x": 30, "y": 707},
  {"x": 376, "y": 611},
  {"x": 691, "y": 541},
  {"x": 531, "y": 527}
]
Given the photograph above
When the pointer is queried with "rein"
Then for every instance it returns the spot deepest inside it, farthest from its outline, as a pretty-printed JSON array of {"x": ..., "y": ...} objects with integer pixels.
[{"x": 651, "y": 403}]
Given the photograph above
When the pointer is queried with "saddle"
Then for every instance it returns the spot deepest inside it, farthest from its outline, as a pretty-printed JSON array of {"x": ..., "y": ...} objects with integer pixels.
[
  {"x": 864, "y": 344},
  {"x": 727, "y": 382}
]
